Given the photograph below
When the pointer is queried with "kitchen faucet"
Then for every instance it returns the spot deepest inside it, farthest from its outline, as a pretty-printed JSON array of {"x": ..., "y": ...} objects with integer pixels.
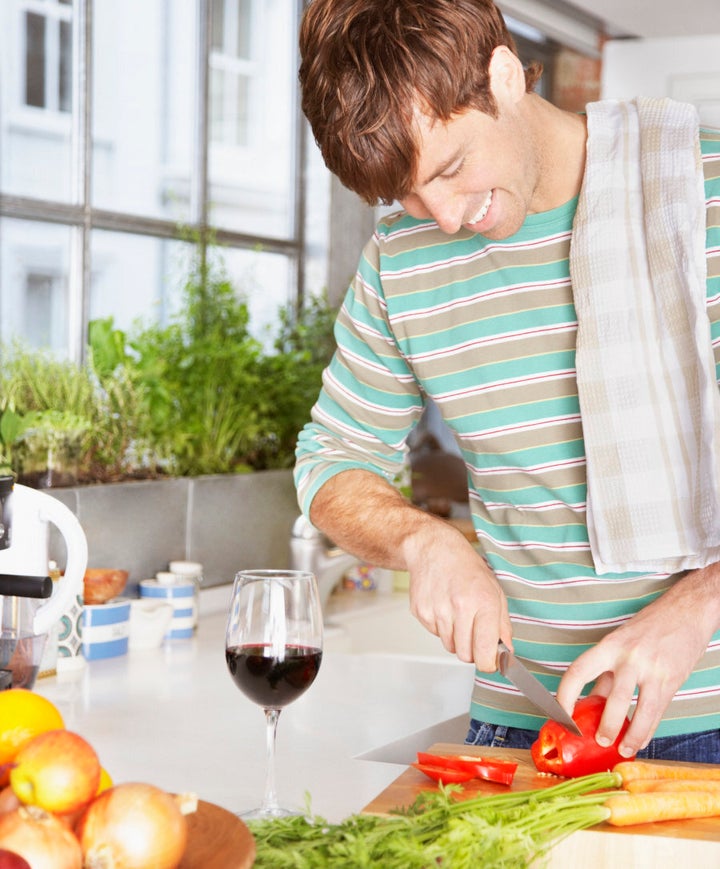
[{"x": 311, "y": 550}]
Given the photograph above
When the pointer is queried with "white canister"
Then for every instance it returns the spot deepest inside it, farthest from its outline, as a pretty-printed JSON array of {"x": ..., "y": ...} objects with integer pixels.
[
  {"x": 105, "y": 629},
  {"x": 183, "y": 598},
  {"x": 189, "y": 571}
]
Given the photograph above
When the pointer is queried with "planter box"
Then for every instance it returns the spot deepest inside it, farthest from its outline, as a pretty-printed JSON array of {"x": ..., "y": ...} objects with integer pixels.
[{"x": 226, "y": 522}]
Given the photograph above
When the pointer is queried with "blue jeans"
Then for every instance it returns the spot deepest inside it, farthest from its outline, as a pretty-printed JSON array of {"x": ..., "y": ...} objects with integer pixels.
[{"x": 703, "y": 747}]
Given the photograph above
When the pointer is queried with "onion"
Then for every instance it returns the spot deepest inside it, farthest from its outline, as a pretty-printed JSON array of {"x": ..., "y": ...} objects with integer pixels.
[
  {"x": 8, "y": 801},
  {"x": 11, "y": 860},
  {"x": 43, "y": 840},
  {"x": 133, "y": 826}
]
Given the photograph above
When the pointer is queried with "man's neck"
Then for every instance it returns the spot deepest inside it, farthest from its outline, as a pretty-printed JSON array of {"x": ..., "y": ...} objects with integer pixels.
[{"x": 561, "y": 138}]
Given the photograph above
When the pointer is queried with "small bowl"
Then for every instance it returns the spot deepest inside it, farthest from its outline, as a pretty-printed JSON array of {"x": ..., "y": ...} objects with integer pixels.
[{"x": 102, "y": 584}]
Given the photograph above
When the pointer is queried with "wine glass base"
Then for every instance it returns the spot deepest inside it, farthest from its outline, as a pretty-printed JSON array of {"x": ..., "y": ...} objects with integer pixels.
[{"x": 268, "y": 814}]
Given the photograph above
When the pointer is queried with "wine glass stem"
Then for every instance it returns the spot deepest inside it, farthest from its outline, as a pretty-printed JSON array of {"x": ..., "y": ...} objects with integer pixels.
[{"x": 271, "y": 719}]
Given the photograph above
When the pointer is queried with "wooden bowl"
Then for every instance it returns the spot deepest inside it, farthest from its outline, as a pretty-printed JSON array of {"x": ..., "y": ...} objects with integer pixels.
[{"x": 102, "y": 584}]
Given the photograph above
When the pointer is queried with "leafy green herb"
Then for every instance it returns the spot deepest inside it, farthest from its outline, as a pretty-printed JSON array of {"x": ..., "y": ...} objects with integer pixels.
[
  {"x": 512, "y": 829},
  {"x": 196, "y": 395}
]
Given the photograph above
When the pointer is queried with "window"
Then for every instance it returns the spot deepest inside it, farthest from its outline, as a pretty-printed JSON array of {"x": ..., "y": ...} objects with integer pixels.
[
  {"x": 40, "y": 295},
  {"x": 34, "y": 270},
  {"x": 233, "y": 69},
  {"x": 126, "y": 128},
  {"x": 48, "y": 62}
]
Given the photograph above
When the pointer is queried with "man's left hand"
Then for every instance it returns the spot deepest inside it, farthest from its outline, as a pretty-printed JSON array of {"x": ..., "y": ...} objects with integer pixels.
[{"x": 655, "y": 651}]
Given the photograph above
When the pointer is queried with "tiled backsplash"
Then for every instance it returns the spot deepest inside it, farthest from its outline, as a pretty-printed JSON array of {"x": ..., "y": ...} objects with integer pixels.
[{"x": 225, "y": 522}]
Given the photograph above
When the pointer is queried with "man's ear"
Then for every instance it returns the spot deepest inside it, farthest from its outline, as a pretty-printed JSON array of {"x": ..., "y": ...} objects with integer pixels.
[{"x": 507, "y": 77}]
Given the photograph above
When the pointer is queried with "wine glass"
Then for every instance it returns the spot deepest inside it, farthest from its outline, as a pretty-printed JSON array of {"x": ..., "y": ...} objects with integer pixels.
[{"x": 273, "y": 649}]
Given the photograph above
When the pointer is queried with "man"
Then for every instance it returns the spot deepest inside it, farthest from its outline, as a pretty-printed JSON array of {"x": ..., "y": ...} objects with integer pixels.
[{"x": 466, "y": 297}]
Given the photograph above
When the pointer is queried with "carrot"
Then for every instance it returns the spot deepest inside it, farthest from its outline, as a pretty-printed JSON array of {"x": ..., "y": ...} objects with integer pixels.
[
  {"x": 628, "y": 809},
  {"x": 648, "y": 785},
  {"x": 644, "y": 785},
  {"x": 630, "y": 770}
]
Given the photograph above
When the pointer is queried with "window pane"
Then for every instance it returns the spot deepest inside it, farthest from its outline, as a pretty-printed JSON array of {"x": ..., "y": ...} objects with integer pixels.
[
  {"x": 317, "y": 222},
  {"x": 217, "y": 98},
  {"x": 266, "y": 282},
  {"x": 251, "y": 175},
  {"x": 35, "y": 60},
  {"x": 34, "y": 133},
  {"x": 242, "y": 118},
  {"x": 65, "y": 82},
  {"x": 144, "y": 62},
  {"x": 242, "y": 47},
  {"x": 218, "y": 24},
  {"x": 34, "y": 268},
  {"x": 134, "y": 276},
  {"x": 137, "y": 276}
]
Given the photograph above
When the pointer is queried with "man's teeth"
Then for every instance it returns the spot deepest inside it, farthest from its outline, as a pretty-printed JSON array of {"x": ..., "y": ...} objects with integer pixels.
[{"x": 483, "y": 211}]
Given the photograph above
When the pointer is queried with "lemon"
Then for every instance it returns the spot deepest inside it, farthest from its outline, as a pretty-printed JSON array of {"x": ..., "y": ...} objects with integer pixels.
[
  {"x": 23, "y": 715},
  {"x": 106, "y": 781}
]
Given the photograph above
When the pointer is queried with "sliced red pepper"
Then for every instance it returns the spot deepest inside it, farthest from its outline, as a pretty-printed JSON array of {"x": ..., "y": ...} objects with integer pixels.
[
  {"x": 560, "y": 752},
  {"x": 486, "y": 768},
  {"x": 445, "y": 774}
]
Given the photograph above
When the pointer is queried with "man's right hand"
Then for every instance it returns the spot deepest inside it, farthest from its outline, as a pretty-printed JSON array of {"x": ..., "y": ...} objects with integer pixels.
[
  {"x": 456, "y": 596},
  {"x": 453, "y": 592}
]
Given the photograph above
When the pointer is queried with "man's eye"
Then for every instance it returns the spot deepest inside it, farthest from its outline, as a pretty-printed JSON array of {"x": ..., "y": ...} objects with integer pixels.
[{"x": 454, "y": 172}]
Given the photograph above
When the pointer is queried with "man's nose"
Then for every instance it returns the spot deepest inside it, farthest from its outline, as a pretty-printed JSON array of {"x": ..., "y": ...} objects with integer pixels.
[{"x": 446, "y": 210}]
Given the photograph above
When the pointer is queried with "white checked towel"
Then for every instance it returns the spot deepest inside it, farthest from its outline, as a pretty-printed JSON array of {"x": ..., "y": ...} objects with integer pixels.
[{"x": 646, "y": 375}]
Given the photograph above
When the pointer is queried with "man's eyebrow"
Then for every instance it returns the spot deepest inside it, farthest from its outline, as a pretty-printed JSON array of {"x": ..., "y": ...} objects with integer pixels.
[{"x": 443, "y": 167}]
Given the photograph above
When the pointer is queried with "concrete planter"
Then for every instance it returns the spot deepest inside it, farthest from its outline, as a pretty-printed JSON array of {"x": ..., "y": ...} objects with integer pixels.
[{"x": 226, "y": 522}]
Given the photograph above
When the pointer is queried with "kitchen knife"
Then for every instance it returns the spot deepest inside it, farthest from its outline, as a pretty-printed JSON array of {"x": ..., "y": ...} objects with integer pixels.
[{"x": 532, "y": 688}]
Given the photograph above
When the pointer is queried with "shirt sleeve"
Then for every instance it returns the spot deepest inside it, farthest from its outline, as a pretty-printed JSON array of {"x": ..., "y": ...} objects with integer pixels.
[{"x": 370, "y": 399}]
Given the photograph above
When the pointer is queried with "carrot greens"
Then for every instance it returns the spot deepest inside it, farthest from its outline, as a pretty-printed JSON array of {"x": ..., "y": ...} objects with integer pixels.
[{"x": 500, "y": 831}]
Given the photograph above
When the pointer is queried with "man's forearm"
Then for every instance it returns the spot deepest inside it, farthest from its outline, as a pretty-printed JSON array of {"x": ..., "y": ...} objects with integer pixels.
[{"x": 365, "y": 515}]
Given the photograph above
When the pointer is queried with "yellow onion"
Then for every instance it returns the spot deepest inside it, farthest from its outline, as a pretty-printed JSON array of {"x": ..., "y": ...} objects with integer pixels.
[
  {"x": 8, "y": 801},
  {"x": 41, "y": 838},
  {"x": 133, "y": 826}
]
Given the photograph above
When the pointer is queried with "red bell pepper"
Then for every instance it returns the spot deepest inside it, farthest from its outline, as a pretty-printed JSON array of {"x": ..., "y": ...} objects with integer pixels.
[
  {"x": 560, "y": 752},
  {"x": 444, "y": 774},
  {"x": 487, "y": 768}
]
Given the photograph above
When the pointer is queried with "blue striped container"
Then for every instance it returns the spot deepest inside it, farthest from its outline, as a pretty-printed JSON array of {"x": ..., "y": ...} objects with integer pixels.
[
  {"x": 183, "y": 598},
  {"x": 105, "y": 629}
]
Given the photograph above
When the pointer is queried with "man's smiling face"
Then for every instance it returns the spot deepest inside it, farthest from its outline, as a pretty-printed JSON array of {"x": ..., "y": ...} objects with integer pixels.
[{"x": 474, "y": 171}]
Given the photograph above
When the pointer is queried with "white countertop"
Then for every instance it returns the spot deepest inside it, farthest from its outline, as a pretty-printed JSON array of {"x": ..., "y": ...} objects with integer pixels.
[{"x": 174, "y": 718}]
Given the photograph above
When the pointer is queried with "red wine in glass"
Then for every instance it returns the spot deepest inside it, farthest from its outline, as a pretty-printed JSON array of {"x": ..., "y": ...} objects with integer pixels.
[
  {"x": 273, "y": 651},
  {"x": 273, "y": 679}
]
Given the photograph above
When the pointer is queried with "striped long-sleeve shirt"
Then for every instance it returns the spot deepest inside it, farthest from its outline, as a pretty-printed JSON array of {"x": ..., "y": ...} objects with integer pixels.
[{"x": 487, "y": 329}]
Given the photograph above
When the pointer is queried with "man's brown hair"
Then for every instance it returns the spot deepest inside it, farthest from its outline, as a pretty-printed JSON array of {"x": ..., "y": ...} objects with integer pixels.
[{"x": 366, "y": 65}]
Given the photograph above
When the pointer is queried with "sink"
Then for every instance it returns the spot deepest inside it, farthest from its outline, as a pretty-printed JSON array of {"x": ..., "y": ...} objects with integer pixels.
[{"x": 404, "y": 751}]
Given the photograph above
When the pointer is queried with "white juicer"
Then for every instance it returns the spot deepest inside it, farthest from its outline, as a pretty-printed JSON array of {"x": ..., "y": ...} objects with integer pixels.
[{"x": 30, "y": 602}]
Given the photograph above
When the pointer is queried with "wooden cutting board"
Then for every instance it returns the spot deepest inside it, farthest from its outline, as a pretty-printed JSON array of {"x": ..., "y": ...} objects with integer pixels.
[{"x": 695, "y": 842}]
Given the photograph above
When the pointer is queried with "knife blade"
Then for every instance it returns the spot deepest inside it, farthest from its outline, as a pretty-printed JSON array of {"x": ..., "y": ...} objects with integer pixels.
[{"x": 517, "y": 673}]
